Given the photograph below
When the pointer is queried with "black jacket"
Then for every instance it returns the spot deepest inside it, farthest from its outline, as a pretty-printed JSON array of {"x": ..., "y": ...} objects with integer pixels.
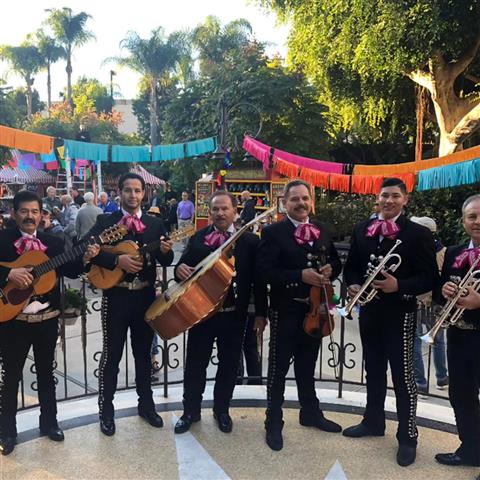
[
  {"x": 418, "y": 271},
  {"x": 55, "y": 246},
  {"x": 469, "y": 316},
  {"x": 153, "y": 231},
  {"x": 248, "y": 211},
  {"x": 281, "y": 261},
  {"x": 245, "y": 252}
]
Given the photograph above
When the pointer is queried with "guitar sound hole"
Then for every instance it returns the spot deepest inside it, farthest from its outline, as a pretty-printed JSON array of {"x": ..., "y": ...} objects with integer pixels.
[{"x": 17, "y": 296}]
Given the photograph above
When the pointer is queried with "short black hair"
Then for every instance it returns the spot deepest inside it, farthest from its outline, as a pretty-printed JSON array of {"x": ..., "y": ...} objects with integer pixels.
[
  {"x": 24, "y": 196},
  {"x": 394, "y": 182},
  {"x": 219, "y": 193},
  {"x": 295, "y": 183},
  {"x": 128, "y": 176}
]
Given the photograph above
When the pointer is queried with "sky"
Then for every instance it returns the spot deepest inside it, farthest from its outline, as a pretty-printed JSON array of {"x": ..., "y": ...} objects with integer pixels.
[{"x": 110, "y": 23}]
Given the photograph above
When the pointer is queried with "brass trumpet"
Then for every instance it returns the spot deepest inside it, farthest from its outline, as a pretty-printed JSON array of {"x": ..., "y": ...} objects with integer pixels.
[
  {"x": 451, "y": 313},
  {"x": 367, "y": 293}
]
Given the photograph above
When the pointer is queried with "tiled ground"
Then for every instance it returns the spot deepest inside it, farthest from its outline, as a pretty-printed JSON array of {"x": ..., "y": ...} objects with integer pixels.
[{"x": 138, "y": 451}]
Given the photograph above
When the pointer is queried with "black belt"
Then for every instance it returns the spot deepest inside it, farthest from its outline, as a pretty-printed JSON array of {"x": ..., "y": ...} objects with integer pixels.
[{"x": 185, "y": 219}]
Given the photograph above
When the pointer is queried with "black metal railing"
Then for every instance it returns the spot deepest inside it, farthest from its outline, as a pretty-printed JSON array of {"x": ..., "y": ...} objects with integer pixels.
[{"x": 79, "y": 348}]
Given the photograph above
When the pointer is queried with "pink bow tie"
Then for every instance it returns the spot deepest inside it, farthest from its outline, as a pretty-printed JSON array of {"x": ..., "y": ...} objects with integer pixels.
[
  {"x": 133, "y": 223},
  {"x": 215, "y": 239},
  {"x": 25, "y": 244},
  {"x": 306, "y": 233},
  {"x": 386, "y": 228},
  {"x": 466, "y": 258}
]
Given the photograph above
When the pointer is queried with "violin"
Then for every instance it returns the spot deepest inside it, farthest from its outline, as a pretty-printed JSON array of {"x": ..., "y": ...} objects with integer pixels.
[{"x": 319, "y": 321}]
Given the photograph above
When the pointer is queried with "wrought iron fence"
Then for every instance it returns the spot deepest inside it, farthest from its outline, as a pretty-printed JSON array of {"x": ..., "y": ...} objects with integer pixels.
[{"x": 340, "y": 363}]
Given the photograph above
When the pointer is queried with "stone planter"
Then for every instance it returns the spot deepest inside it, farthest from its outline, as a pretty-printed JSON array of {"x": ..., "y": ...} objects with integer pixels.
[{"x": 70, "y": 315}]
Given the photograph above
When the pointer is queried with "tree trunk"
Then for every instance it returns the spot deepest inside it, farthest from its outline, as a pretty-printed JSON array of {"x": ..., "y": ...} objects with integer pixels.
[
  {"x": 29, "y": 98},
  {"x": 49, "y": 89},
  {"x": 153, "y": 112},
  {"x": 69, "y": 76}
]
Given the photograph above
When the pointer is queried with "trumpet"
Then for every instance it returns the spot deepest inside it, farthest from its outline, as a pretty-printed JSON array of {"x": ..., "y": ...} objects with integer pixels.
[
  {"x": 451, "y": 312},
  {"x": 367, "y": 292}
]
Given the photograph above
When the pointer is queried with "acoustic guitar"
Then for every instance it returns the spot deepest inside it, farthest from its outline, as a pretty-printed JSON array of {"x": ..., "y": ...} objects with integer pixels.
[
  {"x": 101, "y": 277},
  {"x": 13, "y": 299}
]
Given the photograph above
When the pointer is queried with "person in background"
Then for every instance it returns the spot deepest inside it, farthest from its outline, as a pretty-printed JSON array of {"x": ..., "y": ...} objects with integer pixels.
[
  {"x": 51, "y": 200},
  {"x": 185, "y": 212},
  {"x": 426, "y": 317},
  {"x": 70, "y": 211},
  {"x": 52, "y": 226},
  {"x": 172, "y": 214},
  {"x": 157, "y": 200},
  {"x": 155, "y": 212},
  {"x": 248, "y": 210},
  {"x": 77, "y": 196},
  {"x": 87, "y": 216},
  {"x": 106, "y": 204}
]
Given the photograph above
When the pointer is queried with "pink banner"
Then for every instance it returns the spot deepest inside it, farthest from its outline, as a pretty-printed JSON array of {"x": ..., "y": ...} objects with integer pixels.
[
  {"x": 319, "y": 165},
  {"x": 258, "y": 150}
]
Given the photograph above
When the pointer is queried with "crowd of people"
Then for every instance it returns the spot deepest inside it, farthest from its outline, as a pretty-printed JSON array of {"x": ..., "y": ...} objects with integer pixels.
[{"x": 292, "y": 256}]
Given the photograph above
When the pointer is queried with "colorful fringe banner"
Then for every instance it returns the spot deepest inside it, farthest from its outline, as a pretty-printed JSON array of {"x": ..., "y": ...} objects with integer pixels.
[
  {"x": 315, "y": 178},
  {"x": 258, "y": 150},
  {"x": 286, "y": 168},
  {"x": 31, "y": 142},
  {"x": 319, "y": 165},
  {"x": 339, "y": 182}
]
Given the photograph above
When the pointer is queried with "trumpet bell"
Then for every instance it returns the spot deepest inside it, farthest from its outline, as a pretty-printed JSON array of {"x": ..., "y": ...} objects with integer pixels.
[
  {"x": 343, "y": 312},
  {"x": 427, "y": 338}
]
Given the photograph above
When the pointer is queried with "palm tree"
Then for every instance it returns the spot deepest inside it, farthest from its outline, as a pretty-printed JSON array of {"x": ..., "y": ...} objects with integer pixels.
[
  {"x": 214, "y": 42},
  {"x": 70, "y": 32},
  {"x": 154, "y": 58},
  {"x": 26, "y": 61},
  {"x": 51, "y": 52}
]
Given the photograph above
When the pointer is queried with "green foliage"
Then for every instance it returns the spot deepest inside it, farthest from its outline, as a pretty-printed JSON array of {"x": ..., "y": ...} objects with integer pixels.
[
  {"x": 20, "y": 97},
  {"x": 89, "y": 95}
]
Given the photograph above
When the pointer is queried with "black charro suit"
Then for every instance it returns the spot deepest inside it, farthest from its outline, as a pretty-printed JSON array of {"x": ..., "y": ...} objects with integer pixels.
[
  {"x": 387, "y": 323},
  {"x": 280, "y": 263},
  {"x": 463, "y": 347},
  {"x": 16, "y": 338},
  {"x": 123, "y": 309},
  {"x": 228, "y": 327}
]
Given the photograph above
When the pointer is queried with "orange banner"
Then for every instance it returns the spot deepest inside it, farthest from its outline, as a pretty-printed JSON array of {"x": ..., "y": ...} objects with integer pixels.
[{"x": 28, "y": 141}]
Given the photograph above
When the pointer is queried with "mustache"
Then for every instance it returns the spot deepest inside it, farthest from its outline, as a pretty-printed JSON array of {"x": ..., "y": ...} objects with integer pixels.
[{"x": 28, "y": 220}]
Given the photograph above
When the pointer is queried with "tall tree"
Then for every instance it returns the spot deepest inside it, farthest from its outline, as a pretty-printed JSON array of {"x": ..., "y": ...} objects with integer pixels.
[
  {"x": 51, "y": 52},
  {"x": 69, "y": 29},
  {"x": 154, "y": 57},
  {"x": 358, "y": 53},
  {"x": 26, "y": 61}
]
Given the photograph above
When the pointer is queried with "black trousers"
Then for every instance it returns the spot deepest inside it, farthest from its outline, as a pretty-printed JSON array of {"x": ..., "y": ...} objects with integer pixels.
[
  {"x": 287, "y": 340},
  {"x": 124, "y": 309},
  {"x": 250, "y": 352},
  {"x": 16, "y": 338},
  {"x": 228, "y": 329},
  {"x": 463, "y": 351},
  {"x": 387, "y": 335}
]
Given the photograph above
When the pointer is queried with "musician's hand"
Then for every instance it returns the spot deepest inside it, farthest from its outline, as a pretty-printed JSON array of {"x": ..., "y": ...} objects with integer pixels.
[
  {"x": 165, "y": 245},
  {"x": 310, "y": 276},
  {"x": 184, "y": 271},
  {"x": 352, "y": 290},
  {"x": 449, "y": 290},
  {"x": 471, "y": 301},
  {"x": 259, "y": 325},
  {"x": 129, "y": 263},
  {"x": 92, "y": 251},
  {"x": 20, "y": 277},
  {"x": 388, "y": 285},
  {"x": 326, "y": 271}
]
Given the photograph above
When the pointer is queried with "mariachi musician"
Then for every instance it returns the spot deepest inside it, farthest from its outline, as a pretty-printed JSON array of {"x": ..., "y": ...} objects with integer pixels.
[
  {"x": 387, "y": 323},
  {"x": 227, "y": 326},
  {"x": 124, "y": 306},
  {"x": 285, "y": 261},
  {"x": 36, "y": 326},
  {"x": 463, "y": 344}
]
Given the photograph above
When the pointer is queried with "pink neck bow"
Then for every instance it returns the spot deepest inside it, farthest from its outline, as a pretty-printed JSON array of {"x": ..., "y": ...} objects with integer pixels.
[
  {"x": 133, "y": 223},
  {"x": 215, "y": 239},
  {"x": 466, "y": 258},
  {"x": 386, "y": 228},
  {"x": 25, "y": 244},
  {"x": 306, "y": 233}
]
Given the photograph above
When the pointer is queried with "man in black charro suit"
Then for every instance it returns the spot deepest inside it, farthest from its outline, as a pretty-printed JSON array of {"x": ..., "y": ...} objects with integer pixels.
[
  {"x": 124, "y": 306},
  {"x": 36, "y": 326},
  {"x": 388, "y": 323},
  {"x": 288, "y": 252},
  {"x": 463, "y": 344},
  {"x": 227, "y": 326}
]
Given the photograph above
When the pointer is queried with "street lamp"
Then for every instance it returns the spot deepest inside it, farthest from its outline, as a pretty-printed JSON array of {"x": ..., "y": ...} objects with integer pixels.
[{"x": 112, "y": 73}]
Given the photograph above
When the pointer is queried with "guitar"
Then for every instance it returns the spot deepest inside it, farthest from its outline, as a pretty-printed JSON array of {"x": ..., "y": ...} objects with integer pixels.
[
  {"x": 13, "y": 299},
  {"x": 101, "y": 277}
]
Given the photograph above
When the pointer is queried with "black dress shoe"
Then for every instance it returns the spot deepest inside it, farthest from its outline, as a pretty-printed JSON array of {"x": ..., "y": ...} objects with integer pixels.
[
  {"x": 185, "y": 422},
  {"x": 152, "y": 417},
  {"x": 406, "y": 455},
  {"x": 54, "y": 433},
  {"x": 454, "y": 460},
  {"x": 7, "y": 445},
  {"x": 274, "y": 438},
  {"x": 224, "y": 422},
  {"x": 361, "y": 430},
  {"x": 320, "y": 422},
  {"x": 107, "y": 426}
]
